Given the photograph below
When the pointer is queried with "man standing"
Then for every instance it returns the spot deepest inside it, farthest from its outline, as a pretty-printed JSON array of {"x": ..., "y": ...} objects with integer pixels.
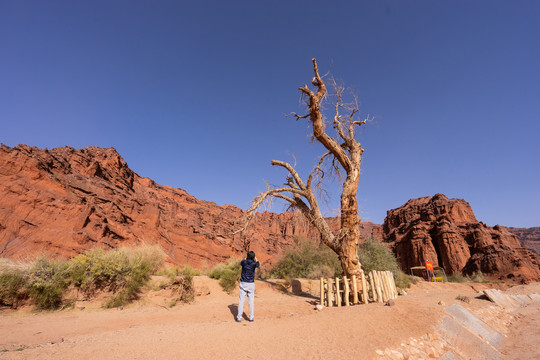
[{"x": 247, "y": 285}]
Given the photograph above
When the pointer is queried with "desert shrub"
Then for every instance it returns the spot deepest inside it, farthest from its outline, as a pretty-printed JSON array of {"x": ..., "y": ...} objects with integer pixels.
[
  {"x": 13, "y": 286},
  {"x": 375, "y": 256},
  {"x": 180, "y": 281},
  {"x": 457, "y": 278},
  {"x": 188, "y": 270},
  {"x": 306, "y": 259},
  {"x": 478, "y": 277},
  {"x": 121, "y": 271},
  {"x": 185, "y": 288},
  {"x": 169, "y": 271},
  {"x": 228, "y": 274},
  {"x": 48, "y": 280}
]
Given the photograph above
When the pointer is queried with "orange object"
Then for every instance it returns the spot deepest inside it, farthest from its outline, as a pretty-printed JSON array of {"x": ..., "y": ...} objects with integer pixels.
[{"x": 429, "y": 266}]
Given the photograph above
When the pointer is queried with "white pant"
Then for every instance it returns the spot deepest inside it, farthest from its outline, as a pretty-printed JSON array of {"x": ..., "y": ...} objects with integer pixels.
[{"x": 249, "y": 290}]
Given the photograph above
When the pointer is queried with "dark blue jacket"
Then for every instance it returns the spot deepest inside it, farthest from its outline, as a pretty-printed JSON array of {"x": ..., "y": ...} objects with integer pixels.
[{"x": 248, "y": 270}]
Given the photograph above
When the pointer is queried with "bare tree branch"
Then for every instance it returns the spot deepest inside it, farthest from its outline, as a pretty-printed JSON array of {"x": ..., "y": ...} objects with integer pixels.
[
  {"x": 346, "y": 154},
  {"x": 298, "y": 117},
  {"x": 261, "y": 198},
  {"x": 292, "y": 171},
  {"x": 317, "y": 169}
]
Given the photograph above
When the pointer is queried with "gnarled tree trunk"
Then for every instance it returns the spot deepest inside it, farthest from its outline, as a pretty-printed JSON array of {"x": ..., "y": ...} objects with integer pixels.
[{"x": 345, "y": 152}]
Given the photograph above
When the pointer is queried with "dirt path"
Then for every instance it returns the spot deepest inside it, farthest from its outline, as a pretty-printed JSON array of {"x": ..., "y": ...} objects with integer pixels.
[{"x": 286, "y": 326}]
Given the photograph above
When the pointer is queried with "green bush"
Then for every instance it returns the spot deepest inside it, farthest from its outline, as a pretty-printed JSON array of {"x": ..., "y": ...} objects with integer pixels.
[
  {"x": 228, "y": 274},
  {"x": 115, "y": 270},
  {"x": 47, "y": 282},
  {"x": 13, "y": 286},
  {"x": 120, "y": 271},
  {"x": 187, "y": 270},
  {"x": 308, "y": 260},
  {"x": 375, "y": 256}
]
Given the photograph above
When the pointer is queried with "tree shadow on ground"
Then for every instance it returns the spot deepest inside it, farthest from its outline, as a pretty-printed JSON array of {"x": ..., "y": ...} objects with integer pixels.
[{"x": 294, "y": 288}]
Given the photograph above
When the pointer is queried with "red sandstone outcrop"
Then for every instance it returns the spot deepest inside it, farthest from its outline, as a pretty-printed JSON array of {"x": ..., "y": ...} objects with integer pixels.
[
  {"x": 64, "y": 201},
  {"x": 529, "y": 237},
  {"x": 446, "y": 232}
]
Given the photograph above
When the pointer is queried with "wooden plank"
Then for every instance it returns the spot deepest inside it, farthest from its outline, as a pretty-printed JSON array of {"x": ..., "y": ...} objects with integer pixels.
[
  {"x": 329, "y": 292},
  {"x": 364, "y": 288},
  {"x": 338, "y": 296},
  {"x": 355, "y": 289},
  {"x": 372, "y": 283},
  {"x": 389, "y": 279},
  {"x": 322, "y": 291},
  {"x": 346, "y": 291},
  {"x": 393, "y": 283},
  {"x": 384, "y": 277},
  {"x": 380, "y": 291}
]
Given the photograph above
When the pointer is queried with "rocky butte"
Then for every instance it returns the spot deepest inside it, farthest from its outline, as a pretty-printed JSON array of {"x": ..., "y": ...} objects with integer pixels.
[
  {"x": 446, "y": 232},
  {"x": 64, "y": 201}
]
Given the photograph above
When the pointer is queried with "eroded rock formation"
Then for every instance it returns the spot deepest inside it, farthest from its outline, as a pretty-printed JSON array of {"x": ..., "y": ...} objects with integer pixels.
[
  {"x": 64, "y": 201},
  {"x": 446, "y": 232},
  {"x": 529, "y": 237}
]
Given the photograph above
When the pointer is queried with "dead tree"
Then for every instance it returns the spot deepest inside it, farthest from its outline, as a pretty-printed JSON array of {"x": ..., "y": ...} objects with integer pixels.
[{"x": 345, "y": 154}]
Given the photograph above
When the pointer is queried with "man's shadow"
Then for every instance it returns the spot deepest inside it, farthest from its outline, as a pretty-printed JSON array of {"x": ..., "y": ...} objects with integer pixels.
[{"x": 233, "y": 308}]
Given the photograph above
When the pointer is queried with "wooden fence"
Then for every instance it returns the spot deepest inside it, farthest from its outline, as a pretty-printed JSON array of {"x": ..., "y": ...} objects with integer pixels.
[{"x": 378, "y": 286}]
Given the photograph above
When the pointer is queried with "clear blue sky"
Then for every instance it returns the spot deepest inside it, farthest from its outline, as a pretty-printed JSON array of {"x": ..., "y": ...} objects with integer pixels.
[{"x": 193, "y": 93}]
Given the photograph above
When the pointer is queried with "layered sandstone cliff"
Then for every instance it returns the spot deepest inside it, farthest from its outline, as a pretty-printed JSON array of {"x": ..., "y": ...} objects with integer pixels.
[
  {"x": 446, "y": 232},
  {"x": 529, "y": 237},
  {"x": 64, "y": 201}
]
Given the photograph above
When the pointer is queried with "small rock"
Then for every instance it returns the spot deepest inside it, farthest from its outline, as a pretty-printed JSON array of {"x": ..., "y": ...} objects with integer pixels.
[
  {"x": 390, "y": 303},
  {"x": 379, "y": 352},
  {"x": 441, "y": 303},
  {"x": 319, "y": 307},
  {"x": 402, "y": 292},
  {"x": 120, "y": 308}
]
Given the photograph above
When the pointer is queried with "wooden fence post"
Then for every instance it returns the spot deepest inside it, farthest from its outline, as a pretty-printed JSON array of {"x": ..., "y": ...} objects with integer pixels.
[
  {"x": 384, "y": 289},
  {"x": 380, "y": 295},
  {"x": 329, "y": 292},
  {"x": 386, "y": 286},
  {"x": 372, "y": 283},
  {"x": 364, "y": 288},
  {"x": 393, "y": 283},
  {"x": 322, "y": 291},
  {"x": 346, "y": 291},
  {"x": 338, "y": 296},
  {"x": 355, "y": 289}
]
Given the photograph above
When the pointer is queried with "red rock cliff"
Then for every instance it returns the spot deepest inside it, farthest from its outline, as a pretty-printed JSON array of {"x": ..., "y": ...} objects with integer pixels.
[
  {"x": 64, "y": 201},
  {"x": 446, "y": 232},
  {"x": 529, "y": 237}
]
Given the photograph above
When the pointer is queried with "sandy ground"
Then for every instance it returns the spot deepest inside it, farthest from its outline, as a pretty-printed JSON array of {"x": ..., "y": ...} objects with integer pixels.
[{"x": 285, "y": 327}]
